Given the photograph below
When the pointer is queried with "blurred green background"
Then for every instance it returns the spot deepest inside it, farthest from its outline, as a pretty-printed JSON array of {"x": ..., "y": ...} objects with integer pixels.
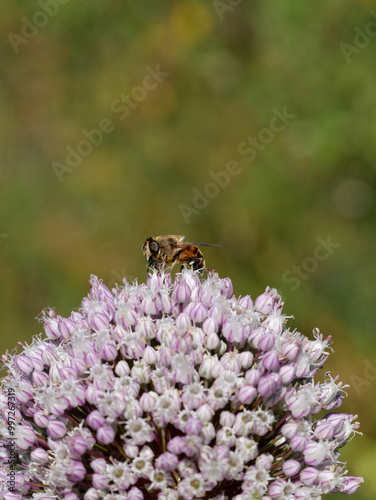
[{"x": 225, "y": 67}]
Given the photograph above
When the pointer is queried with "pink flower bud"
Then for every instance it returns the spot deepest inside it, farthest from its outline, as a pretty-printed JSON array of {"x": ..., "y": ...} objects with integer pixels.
[
  {"x": 106, "y": 434},
  {"x": 247, "y": 394},
  {"x": 315, "y": 453},
  {"x": 56, "y": 429},
  {"x": 309, "y": 476},
  {"x": 204, "y": 413},
  {"x": 148, "y": 401},
  {"x": 95, "y": 420},
  {"x": 78, "y": 445},
  {"x": 145, "y": 327},
  {"x": 289, "y": 429},
  {"x": 255, "y": 335},
  {"x": 24, "y": 391},
  {"x": 152, "y": 304},
  {"x": 24, "y": 363},
  {"x": 179, "y": 344},
  {"x": 271, "y": 361},
  {"x": 207, "y": 367},
  {"x": 167, "y": 461},
  {"x": 290, "y": 349},
  {"x": 79, "y": 365},
  {"x": 337, "y": 420},
  {"x": 264, "y": 461},
  {"x": 122, "y": 368},
  {"x": 167, "y": 303},
  {"x": 150, "y": 355},
  {"x": 126, "y": 316},
  {"x": 92, "y": 358},
  {"x": 252, "y": 376},
  {"x": 165, "y": 357},
  {"x": 298, "y": 443},
  {"x": 66, "y": 327},
  {"x": 154, "y": 281},
  {"x": 91, "y": 394},
  {"x": 274, "y": 323},
  {"x": 181, "y": 292},
  {"x": 99, "y": 320},
  {"x": 41, "y": 419},
  {"x": 78, "y": 473},
  {"x": 198, "y": 313},
  {"x": 227, "y": 288},
  {"x": 268, "y": 384},
  {"x": 266, "y": 341},
  {"x": 266, "y": 302},
  {"x": 227, "y": 419},
  {"x": 40, "y": 378},
  {"x": 68, "y": 373},
  {"x": 108, "y": 351},
  {"x": 99, "y": 465},
  {"x": 39, "y": 455},
  {"x": 71, "y": 496},
  {"x": 131, "y": 450},
  {"x": 177, "y": 445},
  {"x": 278, "y": 488},
  {"x": 291, "y": 467},
  {"x": 100, "y": 481},
  {"x": 212, "y": 341},
  {"x": 193, "y": 426},
  {"x": 51, "y": 328},
  {"x": 91, "y": 494},
  {"x": 12, "y": 495},
  {"x": 246, "y": 359},
  {"x": 350, "y": 484},
  {"x": 210, "y": 326},
  {"x": 233, "y": 330},
  {"x": 287, "y": 373},
  {"x": 182, "y": 322},
  {"x": 324, "y": 430},
  {"x": 222, "y": 452},
  {"x": 218, "y": 313},
  {"x": 246, "y": 302},
  {"x": 135, "y": 494}
]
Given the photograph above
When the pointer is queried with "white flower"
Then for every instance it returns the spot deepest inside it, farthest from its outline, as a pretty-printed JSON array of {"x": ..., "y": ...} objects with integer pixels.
[
  {"x": 192, "y": 487},
  {"x": 160, "y": 479},
  {"x": 139, "y": 431}
]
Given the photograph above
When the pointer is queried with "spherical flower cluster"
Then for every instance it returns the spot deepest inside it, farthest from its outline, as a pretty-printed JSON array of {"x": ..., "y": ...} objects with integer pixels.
[{"x": 172, "y": 391}]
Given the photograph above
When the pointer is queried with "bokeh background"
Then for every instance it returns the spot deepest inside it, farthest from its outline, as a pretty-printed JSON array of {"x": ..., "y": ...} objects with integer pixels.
[{"x": 226, "y": 67}]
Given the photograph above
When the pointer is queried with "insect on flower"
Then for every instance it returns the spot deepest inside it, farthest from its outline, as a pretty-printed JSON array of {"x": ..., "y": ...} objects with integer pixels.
[{"x": 172, "y": 249}]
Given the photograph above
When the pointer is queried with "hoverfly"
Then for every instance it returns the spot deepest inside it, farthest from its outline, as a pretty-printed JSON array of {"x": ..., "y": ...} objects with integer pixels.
[{"x": 172, "y": 249}]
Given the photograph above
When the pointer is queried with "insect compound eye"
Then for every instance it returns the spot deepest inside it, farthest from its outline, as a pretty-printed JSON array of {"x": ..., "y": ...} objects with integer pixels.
[{"x": 154, "y": 247}]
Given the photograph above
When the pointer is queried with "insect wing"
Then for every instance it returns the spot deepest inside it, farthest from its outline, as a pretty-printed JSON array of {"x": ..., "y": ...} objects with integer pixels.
[{"x": 200, "y": 244}]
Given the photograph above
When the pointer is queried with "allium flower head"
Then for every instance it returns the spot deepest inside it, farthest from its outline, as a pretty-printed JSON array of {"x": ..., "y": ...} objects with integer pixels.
[{"x": 172, "y": 390}]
